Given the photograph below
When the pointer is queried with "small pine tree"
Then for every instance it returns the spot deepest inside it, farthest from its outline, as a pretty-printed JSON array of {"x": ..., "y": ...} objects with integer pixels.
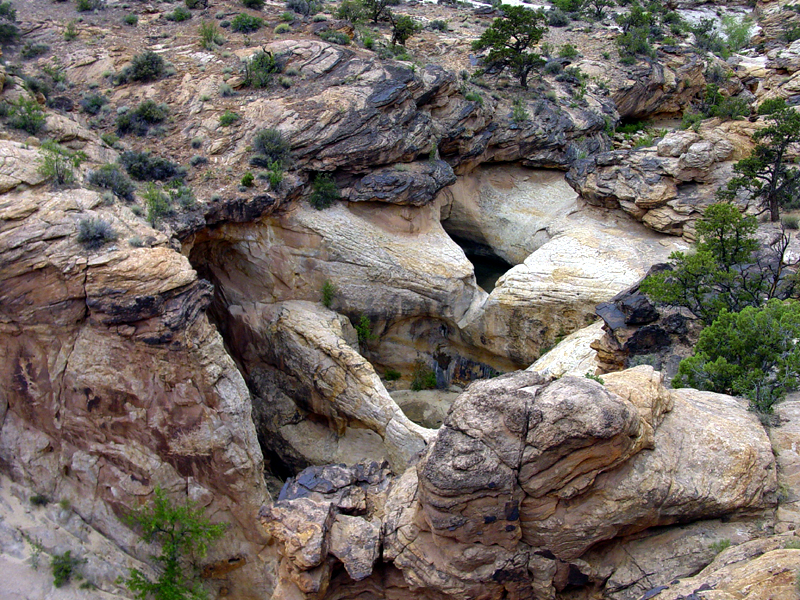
[
  {"x": 184, "y": 534},
  {"x": 752, "y": 353},
  {"x": 509, "y": 39},
  {"x": 766, "y": 176}
]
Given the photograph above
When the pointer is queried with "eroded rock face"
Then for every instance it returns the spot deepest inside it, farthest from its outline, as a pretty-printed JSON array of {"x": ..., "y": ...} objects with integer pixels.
[
  {"x": 309, "y": 354},
  {"x": 114, "y": 382},
  {"x": 665, "y": 86},
  {"x": 554, "y": 291},
  {"x": 355, "y": 113},
  {"x": 527, "y": 476},
  {"x": 757, "y": 569},
  {"x": 666, "y": 187},
  {"x": 323, "y": 515}
]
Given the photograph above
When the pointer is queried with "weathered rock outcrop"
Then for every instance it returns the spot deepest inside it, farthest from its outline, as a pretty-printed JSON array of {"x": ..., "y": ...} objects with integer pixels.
[
  {"x": 636, "y": 332},
  {"x": 308, "y": 353},
  {"x": 555, "y": 290},
  {"x": 666, "y": 187},
  {"x": 574, "y": 355},
  {"x": 355, "y": 113},
  {"x": 114, "y": 382},
  {"x": 527, "y": 476},
  {"x": 750, "y": 571},
  {"x": 665, "y": 86}
]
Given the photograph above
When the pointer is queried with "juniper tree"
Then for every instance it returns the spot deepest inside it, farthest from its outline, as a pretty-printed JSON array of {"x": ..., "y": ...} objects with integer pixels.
[
  {"x": 509, "y": 40},
  {"x": 766, "y": 176}
]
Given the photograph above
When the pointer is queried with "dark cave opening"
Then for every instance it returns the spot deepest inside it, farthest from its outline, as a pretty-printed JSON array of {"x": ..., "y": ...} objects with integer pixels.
[{"x": 489, "y": 267}]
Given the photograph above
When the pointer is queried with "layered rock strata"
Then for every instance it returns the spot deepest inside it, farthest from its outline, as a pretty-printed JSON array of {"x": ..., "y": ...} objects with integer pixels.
[{"x": 527, "y": 476}]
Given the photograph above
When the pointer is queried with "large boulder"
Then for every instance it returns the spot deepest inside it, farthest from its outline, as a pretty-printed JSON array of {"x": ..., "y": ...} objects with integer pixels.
[
  {"x": 555, "y": 290},
  {"x": 527, "y": 480}
]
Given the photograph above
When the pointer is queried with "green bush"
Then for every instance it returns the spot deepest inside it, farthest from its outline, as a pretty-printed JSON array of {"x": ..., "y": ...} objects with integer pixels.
[
  {"x": 553, "y": 67},
  {"x": 255, "y": 4},
  {"x": 196, "y": 4},
  {"x": 692, "y": 120},
  {"x": 281, "y": 28},
  {"x": 139, "y": 120},
  {"x": 557, "y": 18},
  {"x": 143, "y": 166},
  {"x": 737, "y": 32},
  {"x": 707, "y": 38},
  {"x": 328, "y": 292},
  {"x": 568, "y": 51},
  {"x": 7, "y": 11},
  {"x": 228, "y": 118},
  {"x": 147, "y": 66},
  {"x": 752, "y": 353},
  {"x": 71, "y": 31},
  {"x": 391, "y": 375},
  {"x": 94, "y": 233},
  {"x": 111, "y": 177},
  {"x": 63, "y": 567},
  {"x": 335, "y": 37},
  {"x": 157, "y": 202},
  {"x": 715, "y": 104},
  {"x": 593, "y": 377},
  {"x": 89, "y": 5},
  {"x": 179, "y": 14},
  {"x": 710, "y": 279},
  {"x": 244, "y": 23},
  {"x": 210, "y": 36},
  {"x": 303, "y": 7},
  {"x": 790, "y": 221},
  {"x": 363, "y": 329},
  {"x": 183, "y": 533},
  {"x": 719, "y": 546},
  {"x": 39, "y": 500},
  {"x": 26, "y": 114},
  {"x": 58, "y": 163},
  {"x": 180, "y": 194},
  {"x": 403, "y": 27},
  {"x": 92, "y": 103},
  {"x": 109, "y": 139},
  {"x": 474, "y": 97},
  {"x": 260, "y": 68},
  {"x": 31, "y": 50},
  {"x": 518, "y": 112},
  {"x": 324, "y": 191},
  {"x": 248, "y": 179},
  {"x": 350, "y": 10},
  {"x": 768, "y": 176},
  {"x": 634, "y": 43},
  {"x": 569, "y": 6},
  {"x": 422, "y": 377},
  {"x": 438, "y": 25},
  {"x": 131, "y": 20},
  {"x": 270, "y": 148}
]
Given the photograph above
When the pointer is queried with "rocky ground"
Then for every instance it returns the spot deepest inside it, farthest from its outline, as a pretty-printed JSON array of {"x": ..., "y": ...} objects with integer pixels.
[{"x": 193, "y": 353}]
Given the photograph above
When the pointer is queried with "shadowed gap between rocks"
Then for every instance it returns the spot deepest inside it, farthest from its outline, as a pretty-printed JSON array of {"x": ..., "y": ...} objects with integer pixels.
[{"x": 489, "y": 266}]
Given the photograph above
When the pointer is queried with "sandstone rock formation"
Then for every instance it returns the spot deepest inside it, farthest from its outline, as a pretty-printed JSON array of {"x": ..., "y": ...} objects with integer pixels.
[
  {"x": 636, "y": 332},
  {"x": 527, "y": 476},
  {"x": 304, "y": 351},
  {"x": 115, "y": 381},
  {"x": 757, "y": 569},
  {"x": 668, "y": 186}
]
